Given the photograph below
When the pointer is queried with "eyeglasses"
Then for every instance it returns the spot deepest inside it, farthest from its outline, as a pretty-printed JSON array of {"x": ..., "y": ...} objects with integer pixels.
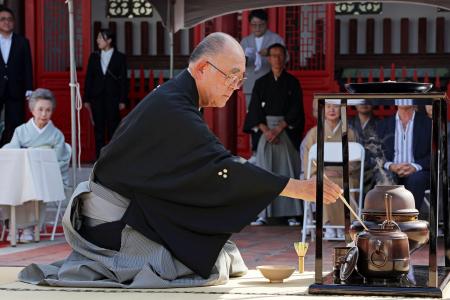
[
  {"x": 9, "y": 19},
  {"x": 230, "y": 80},
  {"x": 277, "y": 55},
  {"x": 258, "y": 25}
]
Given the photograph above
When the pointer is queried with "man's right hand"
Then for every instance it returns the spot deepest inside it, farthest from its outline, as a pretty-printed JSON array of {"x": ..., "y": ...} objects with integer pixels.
[
  {"x": 263, "y": 52},
  {"x": 306, "y": 190},
  {"x": 331, "y": 191},
  {"x": 270, "y": 137},
  {"x": 268, "y": 134},
  {"x": 402, "y": 169}
]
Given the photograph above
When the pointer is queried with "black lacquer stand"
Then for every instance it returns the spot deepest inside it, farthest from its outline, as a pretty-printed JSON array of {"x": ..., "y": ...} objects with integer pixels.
[{"x": 422, "y": 281}]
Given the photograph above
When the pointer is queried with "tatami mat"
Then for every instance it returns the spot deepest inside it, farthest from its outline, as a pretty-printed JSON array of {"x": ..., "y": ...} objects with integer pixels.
[{"x": 251, "y": 286}]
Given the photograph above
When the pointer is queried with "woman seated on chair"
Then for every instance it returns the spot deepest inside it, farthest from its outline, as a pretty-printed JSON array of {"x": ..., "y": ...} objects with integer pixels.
[
  {"x": 38, "y": 132},
  {"x": 334, "y": 213}
]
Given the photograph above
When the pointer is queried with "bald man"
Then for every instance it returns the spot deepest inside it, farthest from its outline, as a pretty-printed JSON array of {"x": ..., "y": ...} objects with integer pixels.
[{"x": 165, "y": 195}]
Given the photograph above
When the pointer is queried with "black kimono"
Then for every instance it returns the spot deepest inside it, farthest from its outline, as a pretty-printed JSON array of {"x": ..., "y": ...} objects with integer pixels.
[
  {"x": 273, "y": 101},
  {"x": 282, "y": 97},
  {"x": 187, "y": 191}
]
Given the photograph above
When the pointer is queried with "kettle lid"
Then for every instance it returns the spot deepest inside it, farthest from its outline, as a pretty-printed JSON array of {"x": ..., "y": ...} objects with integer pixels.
[{"x": 349, "y": 264}]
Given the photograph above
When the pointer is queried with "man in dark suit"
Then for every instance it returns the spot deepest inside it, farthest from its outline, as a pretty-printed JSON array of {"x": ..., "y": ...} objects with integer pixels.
[
  {"x": 16, "y": 73},
  {"x": 406, "y": 140}
]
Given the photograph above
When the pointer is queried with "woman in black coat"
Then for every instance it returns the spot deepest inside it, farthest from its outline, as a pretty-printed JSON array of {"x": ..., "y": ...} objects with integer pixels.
[{"x": 106, "y": 87}]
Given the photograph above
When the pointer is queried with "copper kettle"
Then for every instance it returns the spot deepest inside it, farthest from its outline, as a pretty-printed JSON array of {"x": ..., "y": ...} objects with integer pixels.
[
  {"x": 384, "y": 251},
  {"x": 403, "y": 212}
]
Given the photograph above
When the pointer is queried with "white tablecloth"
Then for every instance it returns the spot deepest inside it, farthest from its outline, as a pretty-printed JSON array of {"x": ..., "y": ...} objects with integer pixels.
[{"x": 29, "y": 174}]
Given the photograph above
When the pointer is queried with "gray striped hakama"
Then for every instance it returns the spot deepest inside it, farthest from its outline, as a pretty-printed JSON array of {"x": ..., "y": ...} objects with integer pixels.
[
  {"x": 140, "y": 262},
  {"x": 281, "y": 159}
]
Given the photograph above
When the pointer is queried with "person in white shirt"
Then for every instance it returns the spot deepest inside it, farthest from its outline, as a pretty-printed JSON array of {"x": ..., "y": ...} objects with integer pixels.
[
  {"x": 406, "y": 141},
  {"x": 106, "y": 88},
  {"x": 16, "y": 74}
]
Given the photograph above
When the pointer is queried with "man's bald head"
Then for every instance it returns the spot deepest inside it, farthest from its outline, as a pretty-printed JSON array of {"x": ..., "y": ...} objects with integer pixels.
[
  {"x": 217, "y": 65},
  {"x": 215, "y": 44}
]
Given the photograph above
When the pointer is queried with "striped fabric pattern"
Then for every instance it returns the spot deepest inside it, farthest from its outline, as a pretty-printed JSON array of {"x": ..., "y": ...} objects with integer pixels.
[
  {"x": 403, "y": 141},
  {"x": 140, "y": 263},
  {"x": 403, "y": 144}
]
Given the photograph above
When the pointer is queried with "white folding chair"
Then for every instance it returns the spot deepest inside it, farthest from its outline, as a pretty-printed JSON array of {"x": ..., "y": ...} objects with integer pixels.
[
  {"x": 333, "y": 154},
  {"x": 59, "y": 213}
]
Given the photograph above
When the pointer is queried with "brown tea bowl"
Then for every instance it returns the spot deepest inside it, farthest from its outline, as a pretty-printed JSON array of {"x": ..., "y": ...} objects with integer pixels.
[{"x": 276, "y": 273}]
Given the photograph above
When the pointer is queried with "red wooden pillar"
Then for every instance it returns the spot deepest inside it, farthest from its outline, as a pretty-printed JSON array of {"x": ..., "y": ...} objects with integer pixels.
[
  {"x": 272, "y": 16},
  {"x": 330, "y": 40},
  {"x": 245, "y": 25},
  {"x": 225, "y": 122},
  {"x": 30, "y": 29}
]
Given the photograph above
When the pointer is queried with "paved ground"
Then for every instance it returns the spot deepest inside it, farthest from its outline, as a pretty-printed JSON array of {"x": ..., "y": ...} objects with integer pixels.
[{"x": 258, "y": 245}]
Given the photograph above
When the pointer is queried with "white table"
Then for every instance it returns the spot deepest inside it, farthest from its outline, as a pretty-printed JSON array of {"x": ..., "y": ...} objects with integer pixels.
[{"x": 29, "y": 175}]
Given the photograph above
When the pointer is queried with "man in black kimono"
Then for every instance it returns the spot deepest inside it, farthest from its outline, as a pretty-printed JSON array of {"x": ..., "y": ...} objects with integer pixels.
[
  {"x": 276, "y": 110},
  {"x": 183, "y": 191}
]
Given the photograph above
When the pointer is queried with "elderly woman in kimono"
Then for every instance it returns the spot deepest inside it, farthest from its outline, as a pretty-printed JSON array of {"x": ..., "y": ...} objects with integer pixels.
[
  {"x": 334, "y": 213},
  {"x": 38, "y": 132}
]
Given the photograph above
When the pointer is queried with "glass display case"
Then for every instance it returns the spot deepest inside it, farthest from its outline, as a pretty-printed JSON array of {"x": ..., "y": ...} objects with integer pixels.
[{"x": 423, "y": 280}]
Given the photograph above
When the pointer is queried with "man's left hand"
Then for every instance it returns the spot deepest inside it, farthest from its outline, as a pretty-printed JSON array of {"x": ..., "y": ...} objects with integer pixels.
[
  {"x": 275, "y": 141},
  {"x": 406, "y": 170},
  {"x": 279, "y": 129},
  {"x": 121, "y": 106},
  {"x": 263, "y": 52},
  {"x": 276, "y": 130}
]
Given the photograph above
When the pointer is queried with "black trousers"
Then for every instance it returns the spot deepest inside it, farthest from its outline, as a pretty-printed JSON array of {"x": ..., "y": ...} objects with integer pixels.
[
  {"x": 416, "y": 183},
  {"x": 106, "y": 118},
  {"x": 14, "y": 115}
]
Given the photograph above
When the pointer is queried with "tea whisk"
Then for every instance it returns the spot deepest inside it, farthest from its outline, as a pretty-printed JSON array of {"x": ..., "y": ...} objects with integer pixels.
[{"x": 301, "y": 249}]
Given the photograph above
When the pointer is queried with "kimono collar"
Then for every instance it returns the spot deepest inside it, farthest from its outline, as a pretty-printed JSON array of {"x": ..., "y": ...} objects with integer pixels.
[
  {"x": 335, "y": 130},
  {"x": 282, "y": 75},
  {"x": 185, "y": 81},
  {"x": 39, "y": 130}
]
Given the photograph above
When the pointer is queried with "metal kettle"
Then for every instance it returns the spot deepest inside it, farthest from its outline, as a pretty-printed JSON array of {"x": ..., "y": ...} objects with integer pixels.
[{"x": 384, "y": 251}]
